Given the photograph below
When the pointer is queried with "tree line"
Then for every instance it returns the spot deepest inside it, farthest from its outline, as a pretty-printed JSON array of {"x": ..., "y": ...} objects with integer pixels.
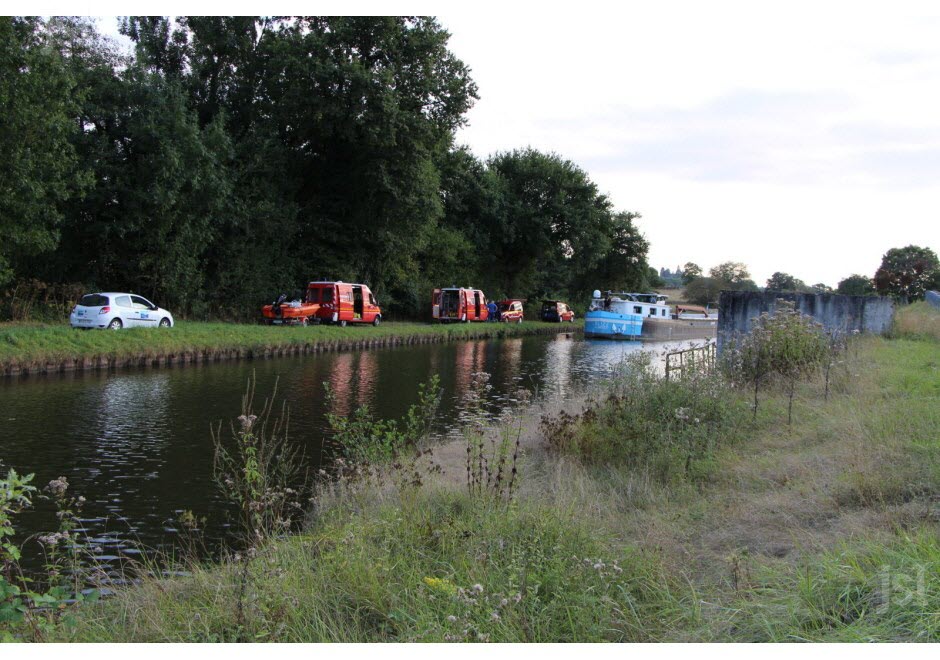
[
  {"x": 905, "y": 274},
  {"x": 228, "y": 159}
]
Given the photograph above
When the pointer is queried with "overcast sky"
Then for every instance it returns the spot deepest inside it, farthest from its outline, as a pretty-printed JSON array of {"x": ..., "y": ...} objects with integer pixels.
[{"x": 804, "y": 139}]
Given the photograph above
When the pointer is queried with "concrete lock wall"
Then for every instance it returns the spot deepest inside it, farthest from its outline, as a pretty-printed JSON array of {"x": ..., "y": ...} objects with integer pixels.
[
  {"x": 933, "y": 297},
  {"x": 738, "y": 309}
]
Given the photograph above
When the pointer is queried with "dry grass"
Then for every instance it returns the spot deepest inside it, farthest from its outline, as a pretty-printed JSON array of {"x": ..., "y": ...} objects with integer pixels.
[{"x": 918, "y": 320}]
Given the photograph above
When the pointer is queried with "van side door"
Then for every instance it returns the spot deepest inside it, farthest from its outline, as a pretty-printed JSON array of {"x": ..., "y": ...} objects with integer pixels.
[{"x": 372, "y": 306}]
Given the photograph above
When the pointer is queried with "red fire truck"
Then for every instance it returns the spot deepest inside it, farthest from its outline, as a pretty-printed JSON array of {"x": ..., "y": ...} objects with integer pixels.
[
  {"x": 458, "y": 304},
  {"x": 326, "y": 302}
]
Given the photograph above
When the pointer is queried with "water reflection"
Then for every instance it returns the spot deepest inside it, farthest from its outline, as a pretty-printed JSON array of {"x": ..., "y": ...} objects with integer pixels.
[{"x": 137, "y": 444}]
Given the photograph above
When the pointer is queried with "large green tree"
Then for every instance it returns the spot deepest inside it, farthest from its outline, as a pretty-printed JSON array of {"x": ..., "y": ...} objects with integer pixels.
[
  {"x": 908, "y": 272},
  {"x": 785, "y": 282},
  {"x": 856, "y": 285},
  {"x": 690, "y": 272},
  {"x": 39, "y": 170},
  {"x": 228, "y": 159}
]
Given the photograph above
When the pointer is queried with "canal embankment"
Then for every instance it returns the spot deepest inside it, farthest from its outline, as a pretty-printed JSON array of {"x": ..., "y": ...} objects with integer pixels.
[
  {"x": 30, "y": 349},
  {"x": 825, "y": 528}
]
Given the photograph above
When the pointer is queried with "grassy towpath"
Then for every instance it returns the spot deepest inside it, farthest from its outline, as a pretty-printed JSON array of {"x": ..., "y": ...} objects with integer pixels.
[{"x": 46, "y": 347}]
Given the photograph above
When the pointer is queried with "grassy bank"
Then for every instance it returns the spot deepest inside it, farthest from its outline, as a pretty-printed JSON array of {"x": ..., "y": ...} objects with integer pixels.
[
  {"x": 40, "y": 347},
  {"x": 719, "y": 528},
  {"x": 918, "y": 321}
]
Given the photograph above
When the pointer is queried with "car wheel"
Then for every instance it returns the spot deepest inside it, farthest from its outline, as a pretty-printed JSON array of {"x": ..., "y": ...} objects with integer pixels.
[
  {"x": 304, "y": 322},
  {"x": 520, "y": 320},
  {"x": 376, "y": 320},
  {"x": 164, "y": 323},
  {"x": 115, "y": 324}
]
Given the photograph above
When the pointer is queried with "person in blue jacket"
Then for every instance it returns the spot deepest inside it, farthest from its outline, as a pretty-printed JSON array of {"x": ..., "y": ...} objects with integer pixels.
[{"x": 493, "y": 310}]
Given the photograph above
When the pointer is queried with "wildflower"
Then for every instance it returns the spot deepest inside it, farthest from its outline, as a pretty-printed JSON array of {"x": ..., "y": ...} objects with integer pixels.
[
  {"x": 483, "y": 638},
  {"x": 477, "y": 588},
  {"x": 682, "y": 414},
  {"x": 452, "y": 618},
  {"x": 50, "y": 539},
  {"x": 504, "y": 602},
  {"x": 495, "y": 616},
  {"x": 247, "y": 421},
  {"x": 517, "y": 597},
  {"x": 57, "y": 487},
  {"x": 442, "y": 585}
]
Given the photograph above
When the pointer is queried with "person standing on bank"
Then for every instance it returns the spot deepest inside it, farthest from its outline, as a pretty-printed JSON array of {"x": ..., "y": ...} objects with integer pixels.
[{"x": 493, "y": 312}]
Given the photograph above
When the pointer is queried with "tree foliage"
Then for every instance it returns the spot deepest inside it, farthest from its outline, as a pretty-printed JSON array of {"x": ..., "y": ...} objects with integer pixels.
[
  {"x": 690, "y": 271},
  {"x": 232, "y": 158},
  {"x": 785, "y": 282},
  {"x": 703, "y": 290},
  {"x": 731, "y": 272},
  {"x": 39, "y": 170},
  {"x": 907, "y": 273},
  {"x": 856, "y": 285}
]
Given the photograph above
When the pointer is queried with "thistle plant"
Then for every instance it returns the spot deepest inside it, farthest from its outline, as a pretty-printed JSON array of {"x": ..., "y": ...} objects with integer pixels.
[
  {"x": 259, "y": 471},
  {"x": 20, "y": 602},
  {"x": 262, "y": 474},
  {"x": 492, "y": 465}
]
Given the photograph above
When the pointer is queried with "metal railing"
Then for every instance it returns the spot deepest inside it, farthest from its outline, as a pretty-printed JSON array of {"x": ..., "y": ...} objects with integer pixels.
[{"x": 698, "y": 359}]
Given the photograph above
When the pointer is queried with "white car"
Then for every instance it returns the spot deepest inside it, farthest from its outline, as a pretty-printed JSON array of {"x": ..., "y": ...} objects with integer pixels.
[{"x": 118, "y": 310}]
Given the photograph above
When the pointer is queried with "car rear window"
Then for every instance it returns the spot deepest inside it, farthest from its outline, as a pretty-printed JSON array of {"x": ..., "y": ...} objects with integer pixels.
[{"x": 93, "y": 300}]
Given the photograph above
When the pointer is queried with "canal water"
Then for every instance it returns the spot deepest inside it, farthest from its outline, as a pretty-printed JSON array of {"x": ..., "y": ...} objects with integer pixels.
[{"x": 137, "y": 444}]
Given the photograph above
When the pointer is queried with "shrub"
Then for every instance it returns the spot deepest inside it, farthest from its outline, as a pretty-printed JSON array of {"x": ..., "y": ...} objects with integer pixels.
[
  {"x": 365, "y": 440},
  {"x": 786, "y": 344},
  {"x": 670, "y": 428}
]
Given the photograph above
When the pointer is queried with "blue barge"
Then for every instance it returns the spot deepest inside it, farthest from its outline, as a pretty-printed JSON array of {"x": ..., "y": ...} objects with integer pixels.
[{"x": 619, "y": 315}]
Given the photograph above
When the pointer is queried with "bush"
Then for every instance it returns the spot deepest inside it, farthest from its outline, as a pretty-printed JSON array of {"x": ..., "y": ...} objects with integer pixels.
[
  {"x": 365, "y": 440},
  {"x": 669, "y": 428},
  {"x": 786, "y": 344}
]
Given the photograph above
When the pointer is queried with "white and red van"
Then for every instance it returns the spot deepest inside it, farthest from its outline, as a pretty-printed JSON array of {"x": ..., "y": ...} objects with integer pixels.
[{"x": 458, "y": 304}]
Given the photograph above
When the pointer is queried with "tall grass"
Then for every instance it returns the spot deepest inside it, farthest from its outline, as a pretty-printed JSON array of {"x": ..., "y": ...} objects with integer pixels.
[
  {"x": 435, "y": 567},
  {"x": 825, "y": 530},
  {"x": 863, "y": 591},
  {"x": 919, "y": 320}
]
